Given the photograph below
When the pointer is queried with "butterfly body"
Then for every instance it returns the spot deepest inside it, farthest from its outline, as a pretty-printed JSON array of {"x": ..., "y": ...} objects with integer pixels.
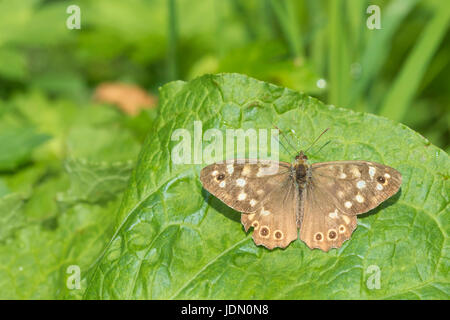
[
  {"x": 302, "y": 169},
  {"x": 317, "y": 203}
]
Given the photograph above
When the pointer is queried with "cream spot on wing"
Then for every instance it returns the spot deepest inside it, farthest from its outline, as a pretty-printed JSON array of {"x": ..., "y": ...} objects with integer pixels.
[
  {"x": 346, "y": 219},
  {"x": 361, "y": 184},
  {"x": 251, "y": 216},
  {"x": 222, "y": 184},
  {"x": 348, "y": 204},
  {"x": 372, "y": 171},
  {"x": 240, "y": 182},
  {"x": 253, "y": 202},
  {"x": 379, "y": 187},
  {"x": 340, "y": 194},
  {"x": 342, "y": 176},
  {"x": 215, "y": 173},
  {"x": 387, "y": 175},
  {"x": 265, "y": 212},
  {"x": 268, "y": 169},
  {"x": 242, "y": 196},
  {"x": 259, "y": 173},
  {"x": 230, "y": 169},
  {"x": 246, "y": 170},
  {"x": 260, "y": 191},
  {"x": 359, "y": 198},
  {"x": 333, "y": 214},
  {"x": 355, "y": 172}
]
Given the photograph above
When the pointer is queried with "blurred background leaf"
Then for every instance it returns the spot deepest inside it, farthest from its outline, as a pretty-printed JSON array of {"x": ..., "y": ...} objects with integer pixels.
[{"x": 320, "y": 47}]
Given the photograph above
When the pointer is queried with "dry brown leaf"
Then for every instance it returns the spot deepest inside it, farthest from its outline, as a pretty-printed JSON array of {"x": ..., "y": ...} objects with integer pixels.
[{"x": 129, "y": 98}]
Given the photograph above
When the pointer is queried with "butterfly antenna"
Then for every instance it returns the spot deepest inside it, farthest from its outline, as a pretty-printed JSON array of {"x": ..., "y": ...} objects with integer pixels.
[
  {"x": 286, "y": 139},
  {"x": 323, "y": 146},
  {"x": 284, "y": 147},
  {"x": 316, "y": 139}
]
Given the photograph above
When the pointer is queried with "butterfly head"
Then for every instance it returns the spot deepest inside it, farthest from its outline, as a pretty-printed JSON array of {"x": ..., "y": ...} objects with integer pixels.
[{"x": 301, "y": 158}]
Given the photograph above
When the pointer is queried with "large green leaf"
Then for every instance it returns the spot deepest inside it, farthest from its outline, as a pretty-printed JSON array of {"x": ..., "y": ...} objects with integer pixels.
[
  {"x": 174, "y": 240},
  {"x": 95, "y": 182},
  {"x": 35, "y": 253}
]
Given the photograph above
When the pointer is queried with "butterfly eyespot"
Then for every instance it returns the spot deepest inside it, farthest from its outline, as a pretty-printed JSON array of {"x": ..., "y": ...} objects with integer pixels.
[
  {"x": 341, "y": 229},
  {"x": 220, "y": 177},
  {"x": 264, "y": 232},
  {"x": 332, "y": 234},
  {"x": 381, "y": 179},
  {"x": 318, "y": 236},
  {"x": 255, "y": 225},
  {"x": 278, "y": 235}
]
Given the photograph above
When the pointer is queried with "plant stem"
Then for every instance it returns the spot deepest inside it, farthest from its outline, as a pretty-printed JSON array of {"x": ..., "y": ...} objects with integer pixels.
[
  {"x": 287, "y": 19},
  {"x": 172, "y": 70}
]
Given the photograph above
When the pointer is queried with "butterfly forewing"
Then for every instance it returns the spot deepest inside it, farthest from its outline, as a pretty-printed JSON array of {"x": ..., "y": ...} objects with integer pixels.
[
  {"x": 355, "y": 187},
  {"x": 244, "y": 185}
]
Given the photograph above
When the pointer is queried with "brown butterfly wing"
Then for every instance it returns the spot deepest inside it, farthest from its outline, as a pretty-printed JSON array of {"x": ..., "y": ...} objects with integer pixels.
[
  {"x": 336, "y": 193},
  {"x": 356, "y": 186},
  {"x": 270, "y": 201},
  {"x": 275, "y": 222}
]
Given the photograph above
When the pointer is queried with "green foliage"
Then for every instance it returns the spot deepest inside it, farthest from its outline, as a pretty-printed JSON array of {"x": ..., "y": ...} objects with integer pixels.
[
  {"x": 399, "y": 71},
  {"x": 35, "y": 254},
  {"x": 17, "y": 145},
  {"x": 173, "y": 240},
  {"x": 65, "y": 162},
  {"x": 95, "y": 182},
  {"x": 66, "y": 171}
]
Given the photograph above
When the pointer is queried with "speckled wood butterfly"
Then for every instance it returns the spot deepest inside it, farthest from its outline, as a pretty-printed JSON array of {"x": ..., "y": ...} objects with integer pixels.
[{"x": 320, "y": 199}]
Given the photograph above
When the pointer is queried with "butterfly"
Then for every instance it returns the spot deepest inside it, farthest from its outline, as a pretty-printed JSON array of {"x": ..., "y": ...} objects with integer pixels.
[{"x": 317, "y": 202}]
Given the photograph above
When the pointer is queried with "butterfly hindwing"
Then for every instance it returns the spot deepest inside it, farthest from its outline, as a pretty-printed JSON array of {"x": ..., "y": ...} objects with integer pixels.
[
  {"x": 274, "y": 223},
  {"x": 323, "y": 226}
]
